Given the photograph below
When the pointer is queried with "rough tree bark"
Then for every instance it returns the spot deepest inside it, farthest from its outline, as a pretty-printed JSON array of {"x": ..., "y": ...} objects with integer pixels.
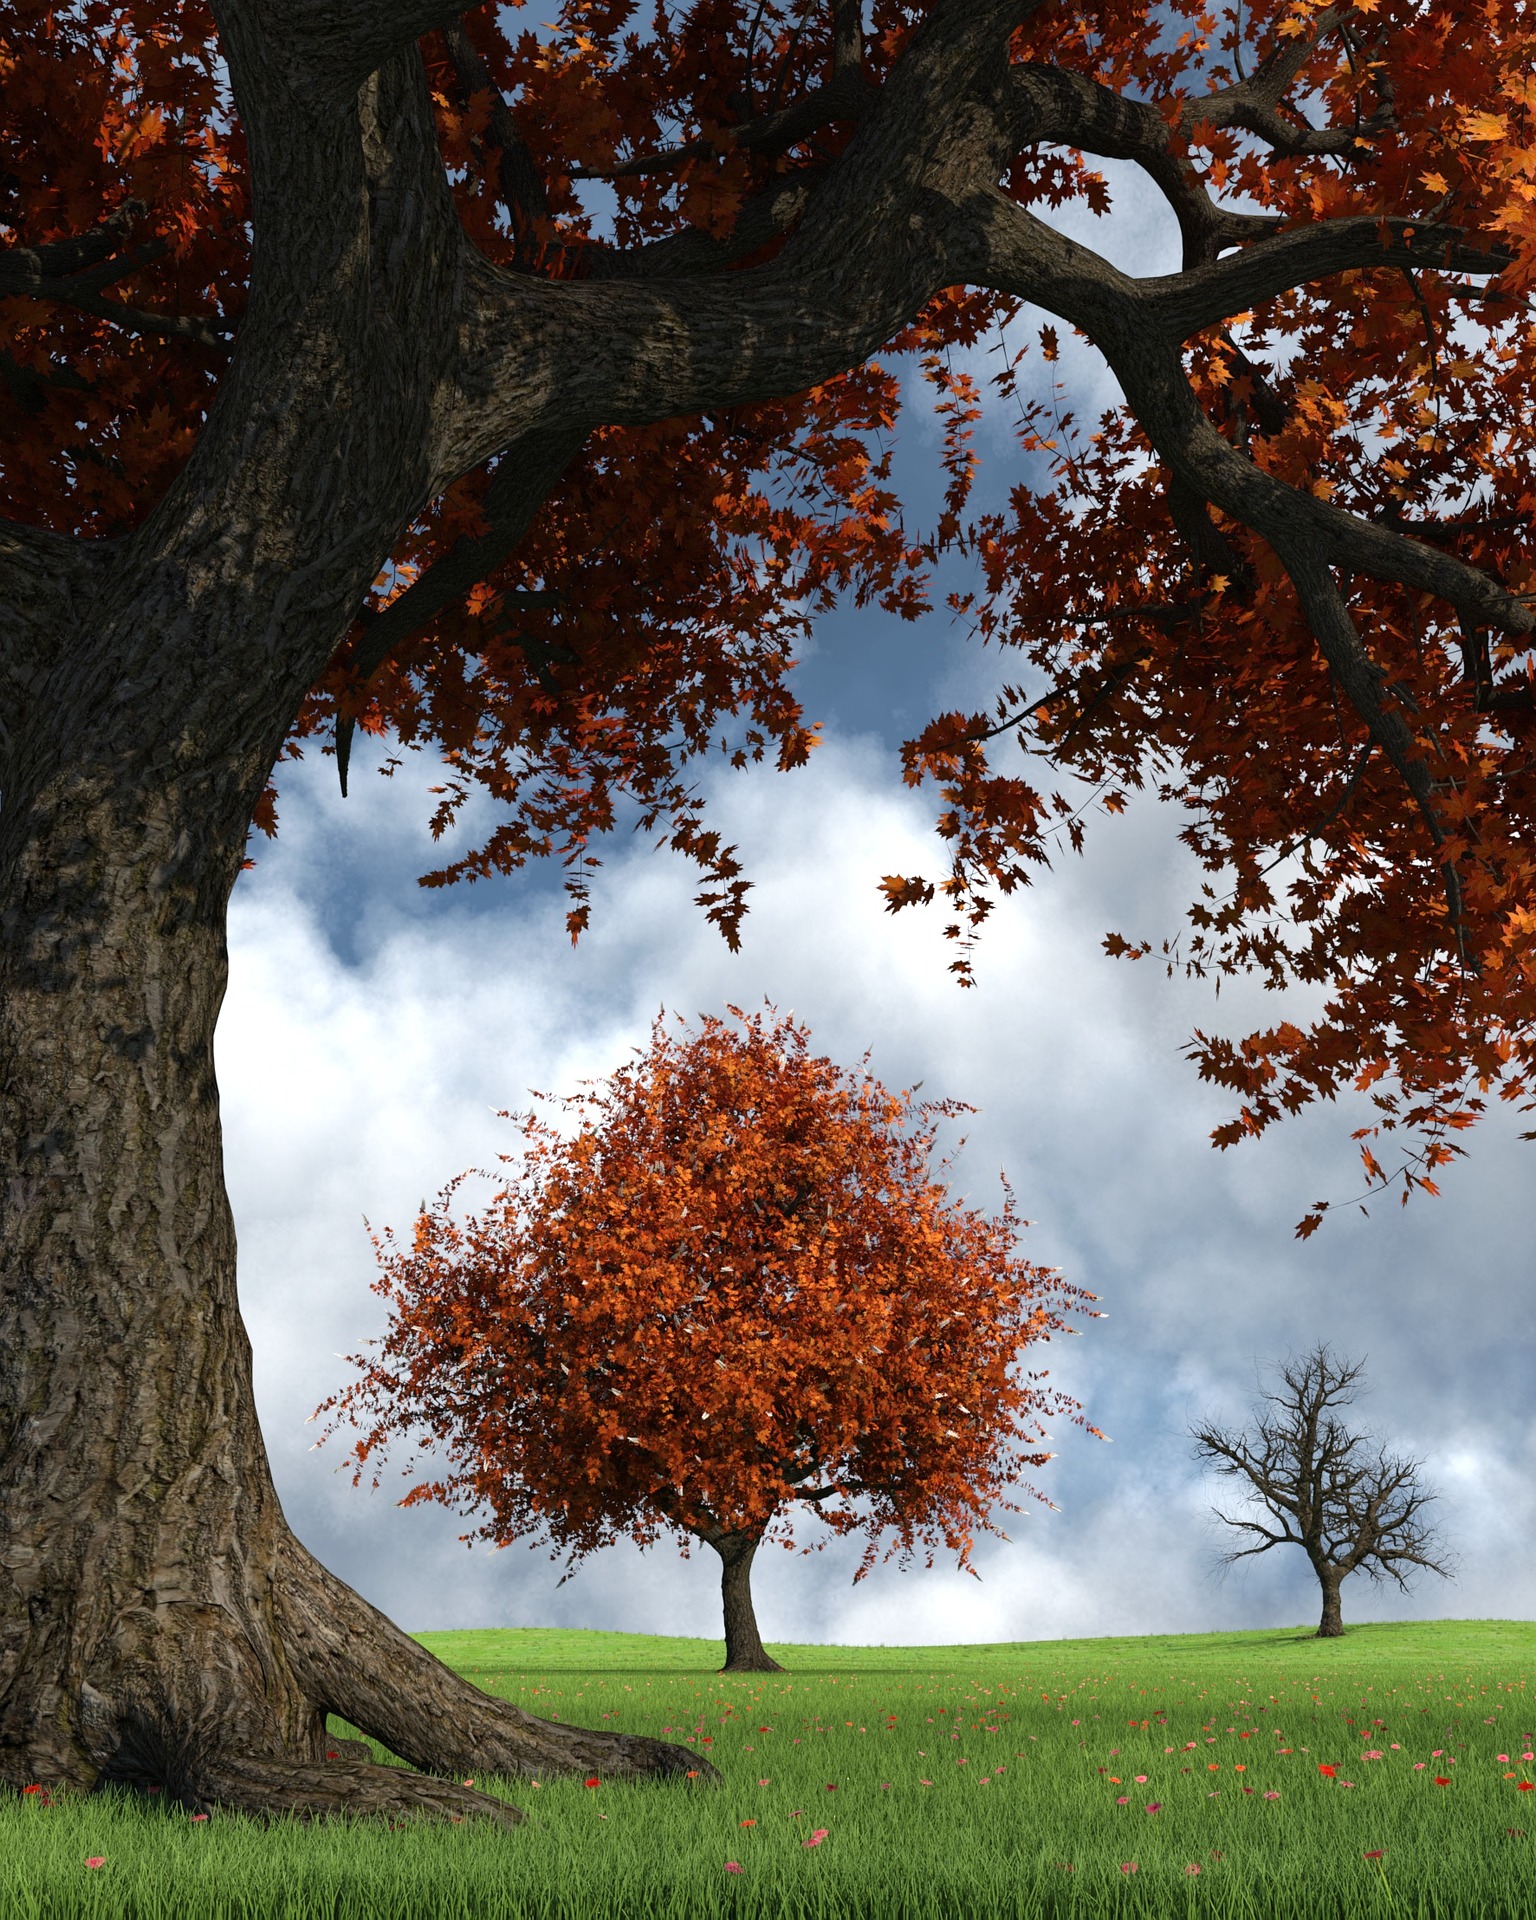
[
  {"x": 744, "y": 1649},
  {"x": 1331, "y": 1626},
  {"x": 159, "y": 1624}
]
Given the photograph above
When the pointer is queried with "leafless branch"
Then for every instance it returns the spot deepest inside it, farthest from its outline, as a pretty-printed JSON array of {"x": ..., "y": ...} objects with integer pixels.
[{"x": 1320, "y": 1486}]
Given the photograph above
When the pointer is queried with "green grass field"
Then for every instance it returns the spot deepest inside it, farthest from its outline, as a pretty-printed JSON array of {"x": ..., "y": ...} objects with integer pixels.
[{"x": 1176, "y": 1776}]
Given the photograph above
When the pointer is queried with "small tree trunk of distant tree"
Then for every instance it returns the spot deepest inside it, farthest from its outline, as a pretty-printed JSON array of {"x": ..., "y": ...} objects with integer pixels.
[
  {"x": 1332, "y": 1623},
  {"x": 744, "y": 1650}
]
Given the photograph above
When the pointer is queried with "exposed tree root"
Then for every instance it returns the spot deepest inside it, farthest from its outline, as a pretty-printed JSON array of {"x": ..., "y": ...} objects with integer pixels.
[{"x": 361, "y": 1667}]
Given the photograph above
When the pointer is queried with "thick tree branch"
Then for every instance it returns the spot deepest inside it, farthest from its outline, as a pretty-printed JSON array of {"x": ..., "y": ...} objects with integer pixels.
[
  {"x": 691, "y": 251},
  {"x": 520, "y": 186},
  {"x": 886, "y": 226},
  {"x": 1254, "y": 102},
  {"x": 1049, "y": 104},
  {"x": 1023, "y": 256},
  {"x": 23, "y": 269},
  {"x": 47, "y": 581},
  {"x": 1070, "y": 109},
  {"x": 330, "y": 47},
  {"x": 1308, "y": 533},
  {"x": 847, "y": 36}
]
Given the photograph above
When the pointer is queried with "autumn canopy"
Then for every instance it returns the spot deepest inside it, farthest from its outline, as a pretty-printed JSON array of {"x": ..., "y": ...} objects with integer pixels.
[
  {"x": 521, "y": 392},
  {"x": 736, "y": 1288}
]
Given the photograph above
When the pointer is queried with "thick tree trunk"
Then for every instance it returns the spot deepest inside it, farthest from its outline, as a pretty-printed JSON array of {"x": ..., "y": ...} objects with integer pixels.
[
  {"x": 159, "y": 1624},
  {"x": 1333, "y": 1620},
  {"x": 744, "y": 1650}
]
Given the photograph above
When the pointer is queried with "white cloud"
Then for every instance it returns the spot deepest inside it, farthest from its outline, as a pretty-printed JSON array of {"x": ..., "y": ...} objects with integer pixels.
[{"x": 372, "y": 1028}]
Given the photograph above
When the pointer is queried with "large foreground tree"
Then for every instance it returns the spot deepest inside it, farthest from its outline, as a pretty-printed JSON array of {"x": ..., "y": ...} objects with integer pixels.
[
  {"x": 328, "y": 404},
  {"x": 737, "y": 1289}
]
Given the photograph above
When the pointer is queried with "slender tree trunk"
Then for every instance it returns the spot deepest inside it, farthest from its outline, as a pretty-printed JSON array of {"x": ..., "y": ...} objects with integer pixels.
[
  {"x": 1332, "y": 1626},
  {"x": 744, "y": 1650},
  {"x": 159, "y": 1624}
]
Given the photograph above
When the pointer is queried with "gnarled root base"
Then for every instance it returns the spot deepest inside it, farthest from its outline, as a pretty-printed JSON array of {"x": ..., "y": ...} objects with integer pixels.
[
  {"x": 368, "y": 1672},
  {"x": 233, "y": 1715},
  {"x": 350, "y": 1789}
]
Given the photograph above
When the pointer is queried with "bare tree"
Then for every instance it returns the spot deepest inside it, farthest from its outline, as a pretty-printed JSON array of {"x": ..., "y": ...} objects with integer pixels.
[{"x": 1322, "y": 1489}]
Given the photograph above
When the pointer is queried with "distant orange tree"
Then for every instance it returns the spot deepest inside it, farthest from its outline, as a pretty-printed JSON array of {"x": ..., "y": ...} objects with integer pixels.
[{"x": 738, "y": 1289}]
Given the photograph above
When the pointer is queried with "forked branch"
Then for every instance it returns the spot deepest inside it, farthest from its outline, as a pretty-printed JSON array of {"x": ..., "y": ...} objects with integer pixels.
[
  {"x": 846, "y": 96},
  {"x": 72, "y": 273}
]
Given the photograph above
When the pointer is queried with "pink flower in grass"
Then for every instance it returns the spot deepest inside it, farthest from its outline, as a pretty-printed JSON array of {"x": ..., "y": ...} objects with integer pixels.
[
  {"x": 1128, "y": 1866},
  {"x": 1141, "y": 1779},
  {"x": 96, "y": 1860},
  {"x": 733, "y": 1866},
  {"x": 1154, "y": 1806},
  {"x": 817, "y": 1837},
  {"x": 1191, "y": 1868},
  {"x": 1124, "y": 1800}
]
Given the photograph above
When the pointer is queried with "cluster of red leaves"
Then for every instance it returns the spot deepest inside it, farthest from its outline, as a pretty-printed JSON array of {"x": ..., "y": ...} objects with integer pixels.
[
  {"x": 736, "y": 1284},
  {"x": 1406, "y": 399},
  {"x": 691, "y": 555},
  {"x": 103, "y": 103}
]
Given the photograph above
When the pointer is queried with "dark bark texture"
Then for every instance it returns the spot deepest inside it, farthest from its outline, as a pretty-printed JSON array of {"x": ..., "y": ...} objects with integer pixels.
[
  {"x": 744, "y": 1649},
  {"x": 159, "y": 1624}
]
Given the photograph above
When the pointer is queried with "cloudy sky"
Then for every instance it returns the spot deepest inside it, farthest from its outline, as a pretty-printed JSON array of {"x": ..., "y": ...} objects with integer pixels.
[{"x": 373, "y": 1028}]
